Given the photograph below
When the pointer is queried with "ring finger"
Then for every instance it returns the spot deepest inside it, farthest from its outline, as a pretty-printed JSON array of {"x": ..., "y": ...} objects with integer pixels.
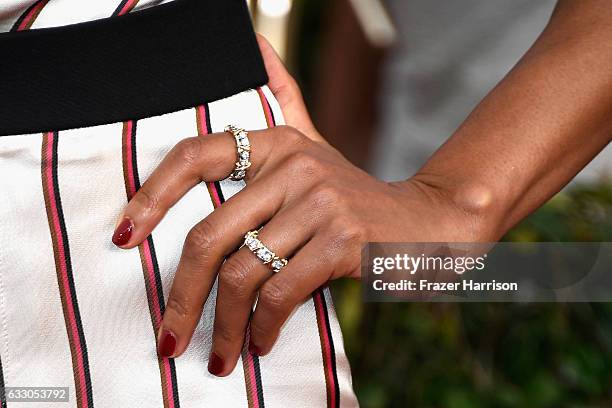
[{"x": 325, "y": 255}]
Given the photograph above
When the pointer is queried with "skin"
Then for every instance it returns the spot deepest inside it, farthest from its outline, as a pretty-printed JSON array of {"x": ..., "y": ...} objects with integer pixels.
[{"x": 527, "y": 139}]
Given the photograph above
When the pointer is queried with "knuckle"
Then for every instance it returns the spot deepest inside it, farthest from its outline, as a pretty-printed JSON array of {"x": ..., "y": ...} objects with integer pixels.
[
  {"x": 188, "y": 150},
  {"x": 347, "y": 232},
  {"x": 235, "y": 277},
  {"x": 291, "y": 136},
  {"x": 200, "y": 240},
  {"x": 258, "y": 330},
  {"x": 223, "y": 332},
  {"x": 147, "y": 200},
  {"x": 264, "y": 330},
  {"x": 326, "y": 195},
  {"x": 305, "y": 164},
  {"x": 273, "y": 297},
  {"x": 180, "y": 306}
]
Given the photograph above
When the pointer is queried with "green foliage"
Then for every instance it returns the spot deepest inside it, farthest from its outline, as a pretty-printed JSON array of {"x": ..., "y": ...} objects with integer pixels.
[
  {"x": 489, "y": 355},
  {"x": 582, "y": 214}
]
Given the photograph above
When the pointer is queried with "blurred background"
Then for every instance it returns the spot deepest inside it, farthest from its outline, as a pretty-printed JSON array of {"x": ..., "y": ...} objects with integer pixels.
[{"x": 387, "y": 82}]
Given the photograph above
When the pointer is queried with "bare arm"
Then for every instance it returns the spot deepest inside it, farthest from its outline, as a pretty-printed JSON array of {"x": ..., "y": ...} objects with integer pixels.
[
  {"x": 538, "y": 128},
  {"x": 525, "y": 141}
]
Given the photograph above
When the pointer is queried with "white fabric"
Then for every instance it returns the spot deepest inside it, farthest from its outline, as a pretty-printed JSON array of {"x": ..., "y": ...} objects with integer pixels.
[
  {"x": 28, "y": 302},
  {"x": 109, "y": 282},
  {"x": 63, "y": 12}
]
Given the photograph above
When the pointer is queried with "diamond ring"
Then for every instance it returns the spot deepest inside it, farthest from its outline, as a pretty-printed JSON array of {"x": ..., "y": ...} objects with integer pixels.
[
  {"x": 244, "y": 152},
  {"x": 262, "y": 252}
]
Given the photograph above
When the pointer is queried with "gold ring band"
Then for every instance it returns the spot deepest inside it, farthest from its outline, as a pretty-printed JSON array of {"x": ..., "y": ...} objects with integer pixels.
[
  {"x": 267, "y": 257},
  {"x": 243, "y": 147}
]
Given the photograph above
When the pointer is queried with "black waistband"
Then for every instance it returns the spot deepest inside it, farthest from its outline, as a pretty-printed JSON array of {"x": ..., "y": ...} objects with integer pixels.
[{"x": 159, "y": 60}]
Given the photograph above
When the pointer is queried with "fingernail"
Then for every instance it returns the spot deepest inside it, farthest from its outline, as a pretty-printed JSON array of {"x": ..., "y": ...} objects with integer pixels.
[
  {"x": 253, "y": 349},
  {"x": 123, "y": 233},
  {"x": 167, "y": 343},
  {"x": 215, "y": 364}
]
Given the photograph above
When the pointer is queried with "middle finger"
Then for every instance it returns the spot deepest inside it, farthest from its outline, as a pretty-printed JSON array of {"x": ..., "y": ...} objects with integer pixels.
[
  {"x": 243, "y": 273},
  {"x": 204, "y": 249}
]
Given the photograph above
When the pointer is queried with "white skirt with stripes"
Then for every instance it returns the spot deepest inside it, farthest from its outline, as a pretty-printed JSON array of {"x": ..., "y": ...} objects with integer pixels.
[{"x": 77, "y": 312}]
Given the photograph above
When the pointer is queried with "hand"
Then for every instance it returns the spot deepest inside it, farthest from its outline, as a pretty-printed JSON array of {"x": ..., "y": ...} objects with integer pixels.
[{"x": 315, "y": 208}]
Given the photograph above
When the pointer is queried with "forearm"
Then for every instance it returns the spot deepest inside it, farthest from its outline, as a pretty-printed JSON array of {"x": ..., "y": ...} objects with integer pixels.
[{"x": 538, "y": 128}]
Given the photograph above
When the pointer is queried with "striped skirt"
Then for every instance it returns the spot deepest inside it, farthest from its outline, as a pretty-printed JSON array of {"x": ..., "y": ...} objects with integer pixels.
[{"x": 77, "y": 312}]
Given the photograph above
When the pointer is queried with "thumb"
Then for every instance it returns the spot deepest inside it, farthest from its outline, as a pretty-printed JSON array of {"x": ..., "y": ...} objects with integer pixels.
[{"x": 287, "y": 92}]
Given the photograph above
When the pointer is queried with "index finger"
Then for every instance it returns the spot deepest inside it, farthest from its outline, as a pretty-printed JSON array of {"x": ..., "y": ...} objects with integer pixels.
[{"x": 191, "y": 161}]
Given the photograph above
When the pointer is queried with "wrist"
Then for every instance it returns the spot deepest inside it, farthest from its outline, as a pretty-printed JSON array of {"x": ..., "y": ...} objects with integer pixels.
[{"x": 476, "y": 207}]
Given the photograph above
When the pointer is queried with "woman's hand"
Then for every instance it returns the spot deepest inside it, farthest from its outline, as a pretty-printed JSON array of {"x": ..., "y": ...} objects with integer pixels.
[{"x": 315, "y": 209}]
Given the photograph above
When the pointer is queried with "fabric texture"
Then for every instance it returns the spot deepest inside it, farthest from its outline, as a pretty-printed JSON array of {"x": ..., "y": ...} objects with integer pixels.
[{"x": 77, "y": 312}]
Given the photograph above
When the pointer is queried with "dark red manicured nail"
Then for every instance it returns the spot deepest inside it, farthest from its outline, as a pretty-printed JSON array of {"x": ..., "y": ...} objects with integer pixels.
[
  {"x": 167, "y": 343},
  {"x": 253, "y": 349},
  {"x": 123, "y": 233},
  {"x": 215, "y": 364}
]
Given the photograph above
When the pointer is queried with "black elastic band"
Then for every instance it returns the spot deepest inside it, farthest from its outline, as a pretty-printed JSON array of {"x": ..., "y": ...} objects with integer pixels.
[{"x": 159, "y": 60}]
